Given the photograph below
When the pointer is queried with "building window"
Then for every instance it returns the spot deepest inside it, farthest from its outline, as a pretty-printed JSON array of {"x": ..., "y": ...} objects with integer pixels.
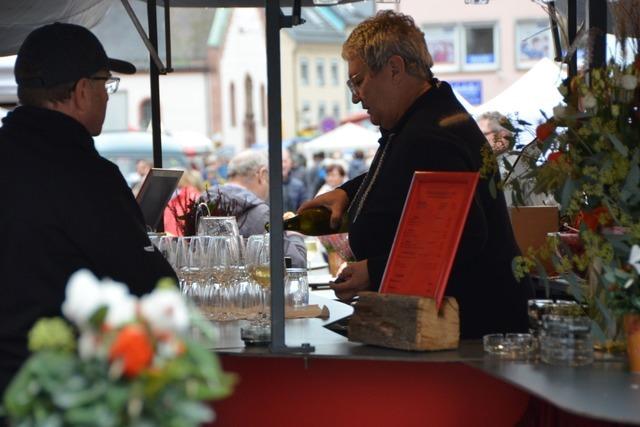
[
  {"x": 232, "y": 102},
  {"x": 335, "y": 113},
  {"x": 305, "y": 116},
  {"x": 263, "y": 105},
  {"x": 304, "y": 72},
  {"x": 443, "y": 43},
  {"x": 469, "y": 47},
  {"x": 533, "y": 42},
  {"x": 320, "y": 72},
  {"x": 335, "y": 75},
  {"x": 145, "y": 114},
  {"x": 480, "y": 47},
  {"x": 322, "y": 111}
]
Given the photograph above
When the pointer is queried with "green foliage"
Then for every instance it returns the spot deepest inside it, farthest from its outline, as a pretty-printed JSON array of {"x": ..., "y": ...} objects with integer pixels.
[
  {"x": 592, "y": 147},
  {"x": 51, "y": 334},
  {"x": 59, "y": 387}
]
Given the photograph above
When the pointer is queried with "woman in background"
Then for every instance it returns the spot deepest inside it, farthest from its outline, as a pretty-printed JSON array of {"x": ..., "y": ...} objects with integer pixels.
[{"x": 334, "y": 178}]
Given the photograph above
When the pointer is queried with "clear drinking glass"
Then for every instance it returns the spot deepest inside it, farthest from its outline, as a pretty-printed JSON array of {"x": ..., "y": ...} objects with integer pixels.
[
  {"x": 258, "y": 270},
  {"x": 218, "y": 226},
  {"x": 296, "y": 287},
  {"x": 223, "y": 287},
  {"x": 192, "y": 265},
  {"x": 566, "y": 340}
]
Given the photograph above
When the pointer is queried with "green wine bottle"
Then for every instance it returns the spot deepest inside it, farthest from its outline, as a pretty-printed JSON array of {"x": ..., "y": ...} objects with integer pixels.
[{"x": 313, "y": 222}]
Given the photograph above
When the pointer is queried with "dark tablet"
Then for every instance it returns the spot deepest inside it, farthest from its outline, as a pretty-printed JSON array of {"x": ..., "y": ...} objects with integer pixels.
[{"x": 155, "y": 193}]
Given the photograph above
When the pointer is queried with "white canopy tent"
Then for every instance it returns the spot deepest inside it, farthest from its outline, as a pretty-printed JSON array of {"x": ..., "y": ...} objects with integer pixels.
[
  {"x": 345, "y": 138},
  {"x": 536, "y": 90},
  {"x": 462, "y": 100}
]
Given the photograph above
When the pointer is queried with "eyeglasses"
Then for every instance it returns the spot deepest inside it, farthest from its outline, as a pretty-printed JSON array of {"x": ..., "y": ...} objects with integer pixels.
[
  {"x": 353, "y": 87},
  {"x": 110, "y": 83}
]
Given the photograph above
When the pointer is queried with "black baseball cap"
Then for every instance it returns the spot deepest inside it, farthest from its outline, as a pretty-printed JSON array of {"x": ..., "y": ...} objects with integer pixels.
[{"x": 62, "y": 53}]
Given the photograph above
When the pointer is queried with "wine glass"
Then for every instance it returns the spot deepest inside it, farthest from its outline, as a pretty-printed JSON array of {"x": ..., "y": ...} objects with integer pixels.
[
  {"x": 258, "y": 267},
  {"x": 192, "y": 265},
  {"x": 223, "y": 284}
]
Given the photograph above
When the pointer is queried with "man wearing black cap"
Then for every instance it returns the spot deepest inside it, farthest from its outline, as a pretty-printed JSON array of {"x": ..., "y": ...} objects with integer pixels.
[{"x": 64, "y": 207}]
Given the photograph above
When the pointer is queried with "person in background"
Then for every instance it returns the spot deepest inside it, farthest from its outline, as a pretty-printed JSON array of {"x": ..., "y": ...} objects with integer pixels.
[
  {"x": 245, "y": 195},
  {"x": 293, "y": 189},
  {"x": 315, "y": 175},
  {"x": 335, "y": 177},
  {"x": 142, "y": 169},
  {"x": 211, "y": 170},
  {"x": 491, "y": 125},
  {"x": 189, "y": 189},
  {"x": 357, "y": 165},
  {"x": 73, "y": 210},
  {"x": 424, "y": 128}
]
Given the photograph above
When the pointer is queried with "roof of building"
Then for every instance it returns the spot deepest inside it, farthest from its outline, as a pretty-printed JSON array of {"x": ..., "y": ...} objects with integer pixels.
[
  {"x": 190, "y": 30},
  {"x": 219, "y": 27},
  {"x": 329, "y": 24}
]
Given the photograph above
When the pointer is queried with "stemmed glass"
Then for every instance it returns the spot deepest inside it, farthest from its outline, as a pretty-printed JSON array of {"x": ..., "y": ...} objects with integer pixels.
[
  {"x": 258, "y": 268},
  {"x": 223, "y": 290},
  {"x": 192, "y": 265}
]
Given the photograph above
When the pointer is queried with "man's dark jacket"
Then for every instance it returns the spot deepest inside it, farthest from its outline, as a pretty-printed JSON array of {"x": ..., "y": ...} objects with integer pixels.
[
  {"x": 437, "y": 134},
  {"x": 63, "y": 208}
]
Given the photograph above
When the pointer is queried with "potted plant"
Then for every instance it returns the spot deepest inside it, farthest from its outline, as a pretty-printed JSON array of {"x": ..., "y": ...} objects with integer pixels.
[{"x": 591, "y": 164}]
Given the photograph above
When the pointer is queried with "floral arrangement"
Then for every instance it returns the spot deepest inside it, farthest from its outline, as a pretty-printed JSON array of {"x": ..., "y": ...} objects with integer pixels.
[
  {"x": 132, "y": 365},
  {"x": 592, "y": 167}
]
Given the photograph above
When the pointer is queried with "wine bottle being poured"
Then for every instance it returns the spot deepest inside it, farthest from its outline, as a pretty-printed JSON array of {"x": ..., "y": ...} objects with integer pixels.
[{"x": 313, "y": 222}]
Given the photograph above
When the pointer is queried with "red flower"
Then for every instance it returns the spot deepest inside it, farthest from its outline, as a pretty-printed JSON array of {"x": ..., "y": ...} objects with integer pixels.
[
  {"x": 545, "y": 130},
  {"x": 133, "y": 347},
  {"x": 555, "y": 156},
  {"x": 592, "y": 218}
]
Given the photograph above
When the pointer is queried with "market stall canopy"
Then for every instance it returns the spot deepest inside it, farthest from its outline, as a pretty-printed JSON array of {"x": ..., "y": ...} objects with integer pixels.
[
  {"x": 20, "y": 17},
  {"x": 345, "y": 138},
  {"x": 536, "y": 90}
]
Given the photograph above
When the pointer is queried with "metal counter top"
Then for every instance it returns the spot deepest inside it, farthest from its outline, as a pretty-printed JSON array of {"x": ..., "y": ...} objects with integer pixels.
[{"x": 604, "y": 390}]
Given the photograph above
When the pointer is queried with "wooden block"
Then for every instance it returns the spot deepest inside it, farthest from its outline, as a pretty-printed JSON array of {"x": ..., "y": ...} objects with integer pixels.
[{"x": 405, "y": 322}]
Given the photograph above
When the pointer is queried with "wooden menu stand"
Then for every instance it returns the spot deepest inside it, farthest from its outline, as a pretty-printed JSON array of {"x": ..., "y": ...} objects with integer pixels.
[{"x": 405, "y": 322}]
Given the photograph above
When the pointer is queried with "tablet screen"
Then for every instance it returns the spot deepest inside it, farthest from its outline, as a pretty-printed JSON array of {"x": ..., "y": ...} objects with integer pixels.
[{"x": 155, "y": 193}]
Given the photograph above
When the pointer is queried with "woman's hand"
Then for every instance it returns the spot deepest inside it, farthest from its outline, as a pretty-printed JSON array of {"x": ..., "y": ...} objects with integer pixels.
[
  {"x": 353, "y": 279},
  {"x": 336, "y": 201}
]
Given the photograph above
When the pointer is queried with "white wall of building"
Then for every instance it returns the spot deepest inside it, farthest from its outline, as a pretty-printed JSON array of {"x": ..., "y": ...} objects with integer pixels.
[
  {"x": 184, "y": 102},
  {"x": 244, "y": 56}
]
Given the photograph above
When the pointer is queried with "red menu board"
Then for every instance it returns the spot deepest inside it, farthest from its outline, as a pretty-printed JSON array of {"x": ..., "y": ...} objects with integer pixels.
[{"x": 428, "y": 235}]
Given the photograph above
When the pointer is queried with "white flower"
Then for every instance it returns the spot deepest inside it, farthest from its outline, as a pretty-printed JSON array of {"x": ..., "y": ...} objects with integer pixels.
[
  {"x": 165, "y": 310},
  {"x": 629, "y": 82},
  {"x": 83, "y": 297},
  {"x": 589, "y": 101},
  {"x": 634, "y": 258},
  {"x": 559, "y": 111},
  {"x": 120, "y": 304}
]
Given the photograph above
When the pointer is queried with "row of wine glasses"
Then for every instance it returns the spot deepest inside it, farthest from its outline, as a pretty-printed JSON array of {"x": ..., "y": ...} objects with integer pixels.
[{"x": 225, "y": 277}]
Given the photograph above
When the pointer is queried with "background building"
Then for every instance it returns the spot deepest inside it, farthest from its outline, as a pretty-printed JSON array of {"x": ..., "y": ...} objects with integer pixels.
[
  {"x": 186, "y": 103},
  {"x": 482, "y": 49}
]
